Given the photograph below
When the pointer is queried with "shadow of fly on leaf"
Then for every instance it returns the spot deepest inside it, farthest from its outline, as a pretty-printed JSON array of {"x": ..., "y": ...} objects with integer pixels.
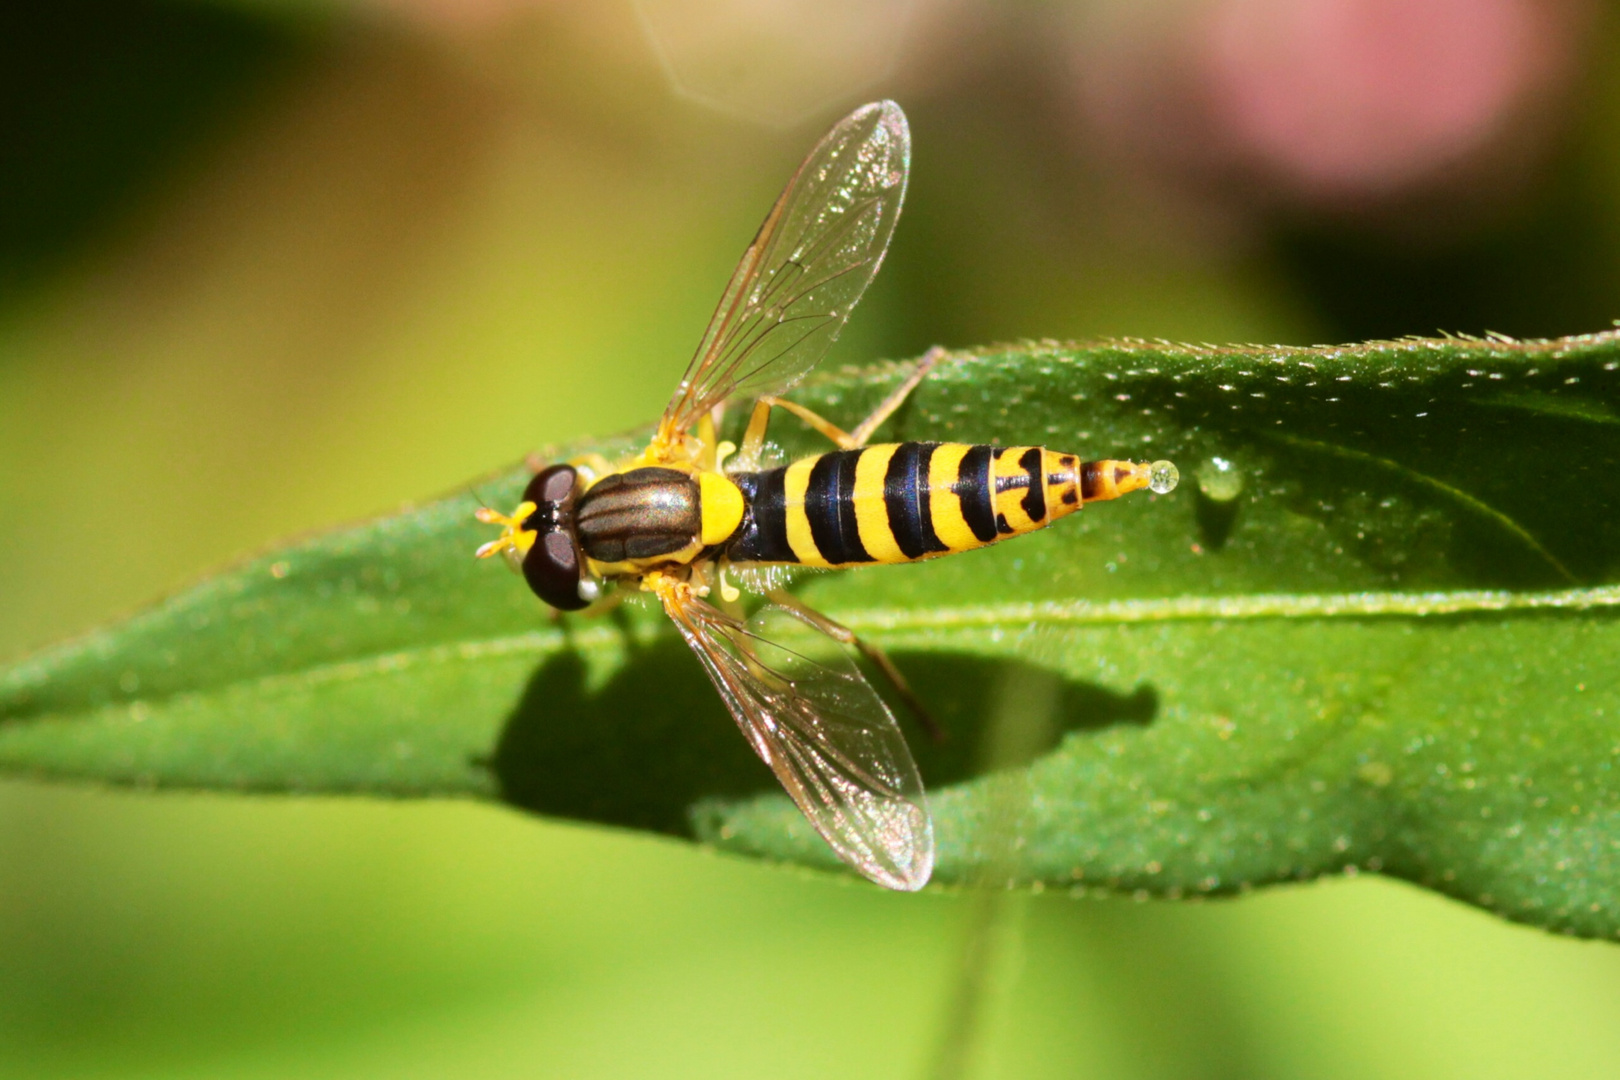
[{"x": 625, "y": 754}]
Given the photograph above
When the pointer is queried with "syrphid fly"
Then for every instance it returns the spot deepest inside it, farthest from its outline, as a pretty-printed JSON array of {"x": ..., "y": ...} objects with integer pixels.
[{"x": 679, "y": 517}]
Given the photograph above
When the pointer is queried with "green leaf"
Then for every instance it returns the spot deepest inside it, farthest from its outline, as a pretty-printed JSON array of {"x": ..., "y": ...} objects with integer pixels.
[{"x": 1374, "y": 629}]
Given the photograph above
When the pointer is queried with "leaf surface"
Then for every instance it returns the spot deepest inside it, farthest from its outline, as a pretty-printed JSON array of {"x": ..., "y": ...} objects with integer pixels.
[{"x": 1375, "y": 628}]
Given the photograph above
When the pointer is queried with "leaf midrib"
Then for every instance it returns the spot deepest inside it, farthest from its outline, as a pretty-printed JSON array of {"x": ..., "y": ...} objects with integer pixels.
[{"x": 1254, "y": 607}]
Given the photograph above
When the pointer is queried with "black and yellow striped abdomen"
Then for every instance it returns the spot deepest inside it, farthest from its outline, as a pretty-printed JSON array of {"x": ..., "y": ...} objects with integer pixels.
[{"x": 902, "y": 502}]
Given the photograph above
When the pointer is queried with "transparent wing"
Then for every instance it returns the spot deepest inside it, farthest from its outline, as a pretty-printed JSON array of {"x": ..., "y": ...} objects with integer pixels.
[
  {"x": 818, "y": 249},
  {"x": 826, "y": 734}
]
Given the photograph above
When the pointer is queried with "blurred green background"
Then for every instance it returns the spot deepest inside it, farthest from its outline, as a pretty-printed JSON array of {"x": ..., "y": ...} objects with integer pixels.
[{"x": 266, "y": 267}]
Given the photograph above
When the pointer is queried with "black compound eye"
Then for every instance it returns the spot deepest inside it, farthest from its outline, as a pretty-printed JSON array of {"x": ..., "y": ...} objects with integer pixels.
[
  {"x": 553, "y": 486},
  {"x": 552, "y": 566},
  {"x": 552, "y": 570}
]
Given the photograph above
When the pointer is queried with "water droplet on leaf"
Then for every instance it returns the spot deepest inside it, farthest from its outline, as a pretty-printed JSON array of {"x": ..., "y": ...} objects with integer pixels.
[{"x": 1220, "y": 480}]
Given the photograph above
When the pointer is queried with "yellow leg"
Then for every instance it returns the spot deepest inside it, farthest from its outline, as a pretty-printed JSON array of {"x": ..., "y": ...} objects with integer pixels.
[
  {"x": 880, "y": 659},
  {"x": 591, "y": 466},
  {"x": 594, "y": 464},
  {"x": 706, "y": 435},
  {"x": 604, "y": 605},
  {"x": 897, "y": 398},
  {"x": 815, "y": 420},
  {"x": 754, "y": 437}
]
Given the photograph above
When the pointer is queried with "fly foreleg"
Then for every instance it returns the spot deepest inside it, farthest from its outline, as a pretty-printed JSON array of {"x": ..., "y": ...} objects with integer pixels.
[{"x": 590, "y": 466}]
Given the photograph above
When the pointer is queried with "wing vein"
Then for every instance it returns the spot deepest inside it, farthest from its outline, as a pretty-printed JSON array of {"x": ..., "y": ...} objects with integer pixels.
[
  {"x": 819, "y": 248},
  {"x": 828, "y": 737}
]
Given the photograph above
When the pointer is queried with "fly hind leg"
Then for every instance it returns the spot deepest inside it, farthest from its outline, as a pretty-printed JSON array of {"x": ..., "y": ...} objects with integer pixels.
[
  {"x": 880, "y": 659},
  {"x": 754, "y": 436},
  {"x": 886, "y": 408}
]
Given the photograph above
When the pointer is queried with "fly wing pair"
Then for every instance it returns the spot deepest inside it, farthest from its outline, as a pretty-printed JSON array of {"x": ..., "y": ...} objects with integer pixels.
[{"x": 813, "y": 719}]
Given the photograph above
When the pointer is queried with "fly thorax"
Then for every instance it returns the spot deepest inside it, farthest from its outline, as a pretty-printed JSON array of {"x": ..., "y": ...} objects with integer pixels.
[{"x": 640, "y": 514}]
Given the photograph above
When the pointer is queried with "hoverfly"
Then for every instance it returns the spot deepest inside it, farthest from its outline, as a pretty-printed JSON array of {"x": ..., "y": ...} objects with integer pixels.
[{"x": 676, "y": 518}]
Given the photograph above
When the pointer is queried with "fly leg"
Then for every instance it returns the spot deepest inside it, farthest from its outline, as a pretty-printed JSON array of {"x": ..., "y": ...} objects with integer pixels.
[
  {"x": 754, "y": 436},
  {"x": 880, "y": 659},
  {"x": 753, "y": 441},
  {"x": 896, "y": 398},
  {"x": 590, "y": 466},
  {"x": 606, "y": 604}
]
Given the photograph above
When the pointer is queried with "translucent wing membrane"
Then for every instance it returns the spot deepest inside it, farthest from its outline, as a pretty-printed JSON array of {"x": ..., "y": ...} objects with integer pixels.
[
  {"x": 809, "y": 713},
  {"x": 818, "y": 249}
]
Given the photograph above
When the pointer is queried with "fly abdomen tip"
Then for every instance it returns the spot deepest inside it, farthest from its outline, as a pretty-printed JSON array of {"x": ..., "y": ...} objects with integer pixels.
[{"x": 1109, "y": 479}]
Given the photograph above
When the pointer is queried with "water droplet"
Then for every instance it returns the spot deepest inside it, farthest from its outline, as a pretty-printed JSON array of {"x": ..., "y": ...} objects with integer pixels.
[
  {"x": 1163, "y": 476},
  {"x": 1220, "y": 480}
]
